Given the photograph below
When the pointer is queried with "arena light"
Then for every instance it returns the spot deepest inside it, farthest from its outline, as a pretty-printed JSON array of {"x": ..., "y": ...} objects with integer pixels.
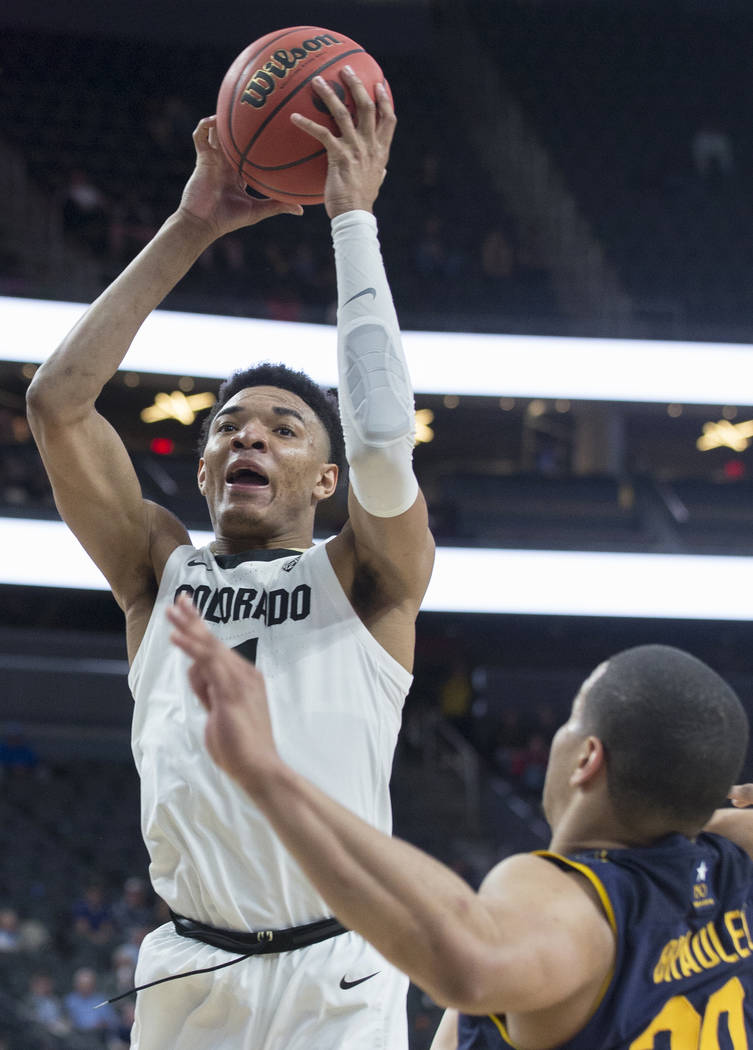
[
  {"x": 424, "y": 431},
  {"x": 177, "y": 406},
  {"x": 559, "y": 583},
  {"x": 725, "y": 434},
  {"x": 172, "y": 343}
]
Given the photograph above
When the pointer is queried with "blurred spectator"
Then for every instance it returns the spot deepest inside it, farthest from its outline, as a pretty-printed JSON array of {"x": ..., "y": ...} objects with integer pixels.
[
  {"x": 712, "y": 151},
  {"x": 34, "y": 935},
  {"x": 529, "y": 764},
  {"x": 92, "y": 916},
  {"x": 86, "y": 1015},
  {"x": 130, "y": 949},
  {"x": 121, "y": 1037},
  {"x": 44, "y": 1007},
  {"x": 133, "y": 908},
  {"x": 10, "y": 930},
  {"x": 456, "y": 696},
  {"x": 120, "y": 979}
]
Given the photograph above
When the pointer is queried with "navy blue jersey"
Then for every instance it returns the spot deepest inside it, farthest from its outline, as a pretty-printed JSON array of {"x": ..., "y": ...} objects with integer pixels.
[{"x": 683, "y": 975}]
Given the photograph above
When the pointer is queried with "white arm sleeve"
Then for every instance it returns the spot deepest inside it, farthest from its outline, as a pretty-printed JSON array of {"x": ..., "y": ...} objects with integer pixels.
[{"x": 376, "y": 398}]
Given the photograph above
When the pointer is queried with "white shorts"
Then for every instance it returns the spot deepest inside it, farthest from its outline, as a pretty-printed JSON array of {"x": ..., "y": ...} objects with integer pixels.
[{"x": 309, "y": 999}]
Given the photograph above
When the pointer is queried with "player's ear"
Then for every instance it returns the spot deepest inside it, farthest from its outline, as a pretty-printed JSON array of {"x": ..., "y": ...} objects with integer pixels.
[
  {"x": 201, "y": 475},
  {"x": 327, "y": 482},
  {"x": 589, "y": 762}
]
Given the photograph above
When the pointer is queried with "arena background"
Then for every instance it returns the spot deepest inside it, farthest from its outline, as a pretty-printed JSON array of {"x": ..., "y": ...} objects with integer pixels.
[{"x": 570, "y": 191}]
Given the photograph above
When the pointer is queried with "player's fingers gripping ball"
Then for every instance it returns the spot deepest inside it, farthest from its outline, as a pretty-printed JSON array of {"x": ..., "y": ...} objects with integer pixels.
[{"x": 270, "y": 80}]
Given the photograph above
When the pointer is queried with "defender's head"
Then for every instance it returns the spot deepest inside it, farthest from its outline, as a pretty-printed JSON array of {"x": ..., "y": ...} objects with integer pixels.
[{"x": 670, "y": 734}]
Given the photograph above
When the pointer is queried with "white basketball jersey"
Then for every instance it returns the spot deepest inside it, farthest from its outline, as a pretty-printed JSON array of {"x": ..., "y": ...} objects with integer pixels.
[{"x": 335, "y": 698}]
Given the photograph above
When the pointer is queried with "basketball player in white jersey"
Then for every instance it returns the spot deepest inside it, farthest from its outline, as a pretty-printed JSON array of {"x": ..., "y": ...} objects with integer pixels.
[{"x": 332, "y": 626}]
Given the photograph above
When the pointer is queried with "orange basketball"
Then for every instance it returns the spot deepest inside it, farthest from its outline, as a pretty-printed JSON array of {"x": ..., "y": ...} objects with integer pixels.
[{"x": 269, "y": 80}]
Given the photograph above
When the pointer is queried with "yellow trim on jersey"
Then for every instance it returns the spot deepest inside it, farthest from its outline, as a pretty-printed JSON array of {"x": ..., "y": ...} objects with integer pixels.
[
  {"x": 594, "y": 879},
  {"x": 606, "y": 904},
  {"x": 502, "y": 1030}
]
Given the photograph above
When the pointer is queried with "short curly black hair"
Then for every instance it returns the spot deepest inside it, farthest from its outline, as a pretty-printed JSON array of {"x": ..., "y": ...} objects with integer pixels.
[{"x": 323, "y": 403}]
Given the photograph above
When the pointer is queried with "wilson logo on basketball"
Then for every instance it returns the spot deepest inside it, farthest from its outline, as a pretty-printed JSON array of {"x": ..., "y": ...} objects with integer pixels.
[{"x": 264, "y": 80}]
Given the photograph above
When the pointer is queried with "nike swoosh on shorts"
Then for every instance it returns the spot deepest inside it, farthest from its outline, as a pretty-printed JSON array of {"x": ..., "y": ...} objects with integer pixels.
[{"x": 351, "y": 984}]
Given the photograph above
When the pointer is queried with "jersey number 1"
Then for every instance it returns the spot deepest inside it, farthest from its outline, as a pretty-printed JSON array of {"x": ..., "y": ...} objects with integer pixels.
[{"x": 248, "y": 649}]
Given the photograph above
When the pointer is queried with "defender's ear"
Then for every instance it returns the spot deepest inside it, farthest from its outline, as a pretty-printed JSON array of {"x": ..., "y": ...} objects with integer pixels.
[{"x": 590, "y": 762}]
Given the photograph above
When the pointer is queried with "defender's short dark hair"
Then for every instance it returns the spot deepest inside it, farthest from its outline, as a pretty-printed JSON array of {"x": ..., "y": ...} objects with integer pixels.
[
  {"x": 675, "y": 736},
  {"x": 321, "y": 402}
]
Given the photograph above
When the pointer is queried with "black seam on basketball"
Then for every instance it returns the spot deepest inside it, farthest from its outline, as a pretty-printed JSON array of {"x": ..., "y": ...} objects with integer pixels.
[
  {"x": 241, "y": 79},
  {"x": 292, "y": 94},
  {"x": 290, "y": 164},
  {"x": 279, "y": 194}
]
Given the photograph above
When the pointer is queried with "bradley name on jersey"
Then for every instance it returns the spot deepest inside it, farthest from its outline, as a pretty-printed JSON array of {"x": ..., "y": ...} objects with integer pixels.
[{"x": 705, "y": 949}]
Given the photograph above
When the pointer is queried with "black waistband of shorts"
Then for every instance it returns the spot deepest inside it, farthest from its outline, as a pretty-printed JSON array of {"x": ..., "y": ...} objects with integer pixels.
[{"x": 258, "y": 942}]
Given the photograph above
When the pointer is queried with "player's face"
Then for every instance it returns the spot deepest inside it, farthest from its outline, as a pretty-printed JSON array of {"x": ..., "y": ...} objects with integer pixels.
[
  {"x": 563, "y": 753},
  {"x": 264, "y": 468}
]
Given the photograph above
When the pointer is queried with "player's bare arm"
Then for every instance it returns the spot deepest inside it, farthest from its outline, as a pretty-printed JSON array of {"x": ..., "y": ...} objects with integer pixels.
[
  {"x": 533, "y": 944},
  {"x": 93, "y": 480},
  {"x": 446, "y": 1035},
  {"x": 385, "y": 554},
  {"x": 733, "y": 823}
]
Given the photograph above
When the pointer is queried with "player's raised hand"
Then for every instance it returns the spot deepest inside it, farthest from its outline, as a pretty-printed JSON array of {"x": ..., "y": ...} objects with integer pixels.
[
  {"x": 357, "y": 158},
  {"x": 238, "y": 730},
  {"x": 741, "y": 795},
  {"x": 215, "y": 195}
]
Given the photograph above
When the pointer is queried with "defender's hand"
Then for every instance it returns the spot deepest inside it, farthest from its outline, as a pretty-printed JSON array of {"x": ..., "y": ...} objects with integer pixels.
[
  {"x": 238, "y": 730},
  {"x": 357, "y": 159},
  {"x": 215, "y": 194}
]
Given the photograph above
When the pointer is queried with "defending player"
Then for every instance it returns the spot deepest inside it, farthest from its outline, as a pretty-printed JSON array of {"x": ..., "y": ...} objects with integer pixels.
[
  {"x": 331, "y": 625},
  {"x": 632, "y": 932}
]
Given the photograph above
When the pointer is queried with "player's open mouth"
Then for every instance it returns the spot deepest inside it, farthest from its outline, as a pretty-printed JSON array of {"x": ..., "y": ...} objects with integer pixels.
[{"x": 245, "y": 477}]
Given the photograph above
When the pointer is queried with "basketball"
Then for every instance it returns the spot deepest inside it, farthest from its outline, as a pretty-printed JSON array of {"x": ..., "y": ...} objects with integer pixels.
[{"x": 269, "y": 80}]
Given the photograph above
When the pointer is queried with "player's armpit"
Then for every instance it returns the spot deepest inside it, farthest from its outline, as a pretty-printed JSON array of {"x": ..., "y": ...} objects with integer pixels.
[
  {"x": 400, "y": 550},
  {"x": 384, "y": 566}
]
